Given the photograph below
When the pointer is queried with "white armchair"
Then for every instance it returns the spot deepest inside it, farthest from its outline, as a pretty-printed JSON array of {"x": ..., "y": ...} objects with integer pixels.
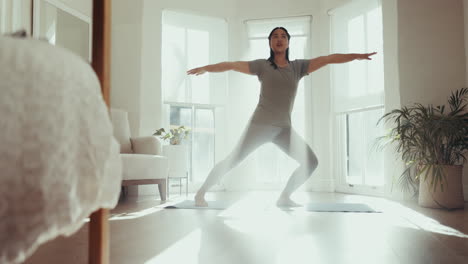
[{"x": 142, "y": 160}]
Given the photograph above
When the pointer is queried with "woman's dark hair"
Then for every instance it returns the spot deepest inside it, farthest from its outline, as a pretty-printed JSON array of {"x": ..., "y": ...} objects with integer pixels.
[{"x": 272, "y": 53}]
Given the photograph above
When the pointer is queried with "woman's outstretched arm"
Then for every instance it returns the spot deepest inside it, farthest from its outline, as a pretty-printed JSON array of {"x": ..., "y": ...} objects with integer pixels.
[
  {"x": 239, "y": 66},
  {"x": 319, "y": 62}
]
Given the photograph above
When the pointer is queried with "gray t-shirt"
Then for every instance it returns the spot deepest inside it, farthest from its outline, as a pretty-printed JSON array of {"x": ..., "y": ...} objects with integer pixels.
[{"x": 278, "y": 90}]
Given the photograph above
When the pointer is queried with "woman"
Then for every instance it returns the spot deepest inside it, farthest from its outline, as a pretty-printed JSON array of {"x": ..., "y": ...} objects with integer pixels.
[{"x": 271, "y": 120}]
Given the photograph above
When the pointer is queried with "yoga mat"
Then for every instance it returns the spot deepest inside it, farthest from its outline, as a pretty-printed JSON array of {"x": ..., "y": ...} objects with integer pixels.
[
  {"x": 188, "y": 204},
  {"x": 340, "y": 207}
]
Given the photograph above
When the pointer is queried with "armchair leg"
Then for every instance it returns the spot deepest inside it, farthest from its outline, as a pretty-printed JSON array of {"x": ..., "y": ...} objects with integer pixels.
[
  {"x": 123, "y": 192},
  {"x": 162, "y": 189}
]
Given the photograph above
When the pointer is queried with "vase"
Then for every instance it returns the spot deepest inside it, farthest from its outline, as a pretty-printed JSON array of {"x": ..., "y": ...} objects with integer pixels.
[
  {"x": 451, "y": 197},
  {"x": 177, "y": 157}
]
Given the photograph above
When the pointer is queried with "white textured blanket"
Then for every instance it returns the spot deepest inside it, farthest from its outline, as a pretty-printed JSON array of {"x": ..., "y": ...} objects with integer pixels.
[{"x": 58, "y": 159}]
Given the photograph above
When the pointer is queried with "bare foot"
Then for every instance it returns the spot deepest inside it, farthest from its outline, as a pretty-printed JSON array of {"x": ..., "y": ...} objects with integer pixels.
[
  {"x": 287, "y": 202},
  {"x": 200, "y": 201}
]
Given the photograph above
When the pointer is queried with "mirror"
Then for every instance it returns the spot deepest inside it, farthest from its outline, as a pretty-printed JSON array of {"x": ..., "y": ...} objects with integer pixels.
[{"x": 62, "y": 26}]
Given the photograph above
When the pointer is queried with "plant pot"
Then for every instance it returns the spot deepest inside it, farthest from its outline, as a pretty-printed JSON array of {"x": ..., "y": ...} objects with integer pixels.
[{"x": 452, "y": 195}]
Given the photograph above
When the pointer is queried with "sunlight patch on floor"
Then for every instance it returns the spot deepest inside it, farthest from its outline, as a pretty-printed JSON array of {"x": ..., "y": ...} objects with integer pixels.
[
  {"x": 250, "y": 204},
  {"x": 421, "y": 221},
  {"x": 133, "y": 215},
  {"x": 264, "y": 224},
  {"x": 185, "y": 251},
  {"x": 299, "y": 250}
]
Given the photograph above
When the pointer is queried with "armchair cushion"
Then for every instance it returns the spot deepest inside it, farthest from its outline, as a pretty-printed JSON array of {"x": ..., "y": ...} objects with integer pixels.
[
  {"x": 142, "y": 166},
  {"x": 146, "y": 145}
]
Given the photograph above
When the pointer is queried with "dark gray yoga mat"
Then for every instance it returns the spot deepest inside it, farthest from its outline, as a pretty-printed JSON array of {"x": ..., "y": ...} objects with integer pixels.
[
  {"x": 340, "y": 207},
  {"x": 315, "y": 207}
]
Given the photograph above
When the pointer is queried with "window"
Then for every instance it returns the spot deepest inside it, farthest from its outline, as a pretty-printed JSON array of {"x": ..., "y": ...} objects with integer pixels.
[
  {"x": 190, "y": 41},
  {"x": 273, "y": 167},
  {"x": 201, "y": 143},
  {"x": 10, "y": 15},
  {"x": 3, "y": 17},
  {"x": 364, "y": 163},
  {"x": 358, "y": 93}
]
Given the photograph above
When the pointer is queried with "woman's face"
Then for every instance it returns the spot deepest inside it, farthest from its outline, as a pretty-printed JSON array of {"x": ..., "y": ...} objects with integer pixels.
[{"x": 279, "y": 41}]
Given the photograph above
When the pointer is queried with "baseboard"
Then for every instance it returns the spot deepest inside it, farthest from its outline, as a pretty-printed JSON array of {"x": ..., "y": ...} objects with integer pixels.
[{"x": 325, "y": 185}]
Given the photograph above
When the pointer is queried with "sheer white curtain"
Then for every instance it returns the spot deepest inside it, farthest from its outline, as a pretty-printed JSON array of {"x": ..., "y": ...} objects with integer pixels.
[
  {"x": 189, "y": 41},
  {"x": 358, "y": 92},
  {"x": 269, "y": 167}
]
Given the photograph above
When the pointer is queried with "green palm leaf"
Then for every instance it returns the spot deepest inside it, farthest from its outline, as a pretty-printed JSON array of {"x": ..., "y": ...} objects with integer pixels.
[{"x": 428, "y": 137}]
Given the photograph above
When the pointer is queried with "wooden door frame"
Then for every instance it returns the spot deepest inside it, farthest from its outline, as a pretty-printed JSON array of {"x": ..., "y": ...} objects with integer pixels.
[{"x": 98, "y": 244}]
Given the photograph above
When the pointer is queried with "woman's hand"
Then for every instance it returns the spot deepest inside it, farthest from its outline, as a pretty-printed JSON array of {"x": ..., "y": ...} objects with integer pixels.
[
  {"x": 196, "y": 71},
  {"x": 365, "y": 56}
]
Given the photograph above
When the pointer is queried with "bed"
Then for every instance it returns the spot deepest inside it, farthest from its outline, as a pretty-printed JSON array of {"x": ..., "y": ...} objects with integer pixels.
[{"x": 59, "y": 161}]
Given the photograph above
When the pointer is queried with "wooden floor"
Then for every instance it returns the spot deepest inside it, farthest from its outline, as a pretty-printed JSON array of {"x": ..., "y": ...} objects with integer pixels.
[{"x": 254, "y": 231}]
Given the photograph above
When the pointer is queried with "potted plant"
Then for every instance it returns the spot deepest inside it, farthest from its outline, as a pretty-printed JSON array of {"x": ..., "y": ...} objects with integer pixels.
[{"x": 433, "y": 142}]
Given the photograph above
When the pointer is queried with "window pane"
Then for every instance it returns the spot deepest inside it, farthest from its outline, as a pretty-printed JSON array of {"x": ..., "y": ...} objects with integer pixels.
[
  {"x": 203, "y": 144},
  {"x": 173, "y": 57},
  {"x": 198, "y": 54},
  {"x": 258, "y": 49},
  {"x": 375, "y": 161},
  {"x": 357, "y": 69},
  {"x": 357, "y": 28},
  {"x": 182, "y": 116},
  {"x": 375, "y": 43},
  {"x": 365, "y": 163},
  {"x": 190, "y": 41},
  {"x": 355, "y": 148}
]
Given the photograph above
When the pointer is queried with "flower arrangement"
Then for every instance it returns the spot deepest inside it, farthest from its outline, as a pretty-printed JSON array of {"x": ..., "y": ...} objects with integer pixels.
[{"x": 174, "y": 135}]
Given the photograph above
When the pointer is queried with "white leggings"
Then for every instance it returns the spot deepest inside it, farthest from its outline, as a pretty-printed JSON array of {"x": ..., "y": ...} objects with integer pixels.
[{"x": 257, "y": 134}]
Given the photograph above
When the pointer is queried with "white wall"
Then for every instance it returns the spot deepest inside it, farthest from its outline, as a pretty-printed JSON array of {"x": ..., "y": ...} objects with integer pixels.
[
  {"x": 431, "y": 50},
  {"x": 73, "y": 34},
  {"x": 126, "y": 59}
]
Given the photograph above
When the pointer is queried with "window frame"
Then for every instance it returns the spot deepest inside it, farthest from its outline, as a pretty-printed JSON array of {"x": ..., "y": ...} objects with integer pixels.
[{"x": 339, "y": 127}]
